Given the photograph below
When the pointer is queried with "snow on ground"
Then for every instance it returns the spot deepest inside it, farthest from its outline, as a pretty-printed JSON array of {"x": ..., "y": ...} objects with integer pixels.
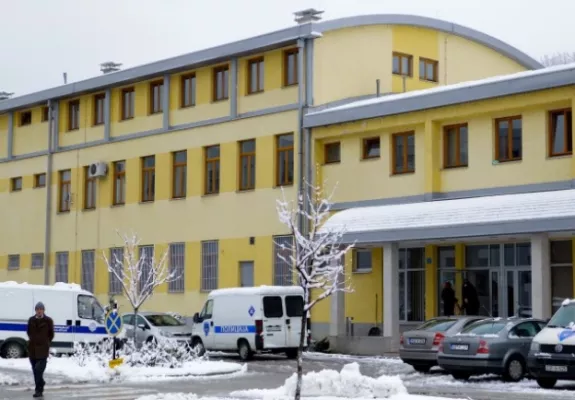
[
  {"x": 7, "y": 380},
  {"x": 188, "y": 396}
]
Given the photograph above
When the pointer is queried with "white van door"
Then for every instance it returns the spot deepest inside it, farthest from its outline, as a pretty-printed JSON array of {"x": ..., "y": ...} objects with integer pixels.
[
  {"x": 205, "y": 327},
  {"x": 274, "y": 324},
  {"x": 294, "y": 311},
  {"x": 60, "y": 306},
  {"x": 89, "y": 319}
]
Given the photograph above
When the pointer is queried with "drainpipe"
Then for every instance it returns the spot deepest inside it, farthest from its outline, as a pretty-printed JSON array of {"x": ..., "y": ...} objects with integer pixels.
[
  {"x": 48, "y": 231},
  {"x": 301, "y": 104}
]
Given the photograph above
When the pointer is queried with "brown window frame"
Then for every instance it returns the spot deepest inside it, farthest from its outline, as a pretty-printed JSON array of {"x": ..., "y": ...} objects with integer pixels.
[
  {"x": 458, "y": 163},
  {"x": 176, "y": 166},
  {"x": 64, "y": 186},
  {"x": 285, "y": 179},
  {"x": 426, "y": 62},
  {"x": 73, "y": 123},
  {"x": 410, "y": 65},
  {"x": 25, "y": 118},
  {"x": 45, "y": 114},
  {"x": 221, "y": 80},
  {"x": 191, "y": 87},
  {"x": 99, "y": 119},
  {"x": 216, "y": 162},
  {"x": 286, "y": 75},
  {"x": 119, "y": 176},
  {"x": 326, "y": 152},
  {"x": 509, "y": 120},
  {"x": 131, "y": 91},
  {"x": 149, "y": 173},
  {"x": 248, "y": 155},
  {"x": 405, "y": 153},
  {"x": 159, "y": 85},
  {"x": 260, "y": 74},
  {"x": 89, "y": 204},
  {"x": 567, "y": 132},
  {"x": 37, "y": 177},
  {"x": 16, "y": 184},
  {"x": 364, "y": 153}
]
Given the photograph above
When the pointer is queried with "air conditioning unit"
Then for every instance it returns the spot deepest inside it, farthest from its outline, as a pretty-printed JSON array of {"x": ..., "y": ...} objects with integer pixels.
[{"x": 98, "y": 169}]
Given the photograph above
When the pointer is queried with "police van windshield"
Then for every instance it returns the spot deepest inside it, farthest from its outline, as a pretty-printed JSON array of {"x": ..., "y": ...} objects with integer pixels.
[
  {"x": 90, "y": 308},
  {"x": 564, "y": 317}
]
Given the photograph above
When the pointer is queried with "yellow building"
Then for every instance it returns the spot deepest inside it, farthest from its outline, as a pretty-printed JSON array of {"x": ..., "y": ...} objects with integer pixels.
[{"x": 189, "y": 152}]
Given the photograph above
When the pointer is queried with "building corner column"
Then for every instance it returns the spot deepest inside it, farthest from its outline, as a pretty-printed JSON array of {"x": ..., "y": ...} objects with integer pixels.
[
  {"x": 459, "y": 270},
  {"x": 540, "y": 277},
  {"x": 337, "y": 309},
  {"x": 166, "y": 103},
  {"x": 391, "y": 295},
  {"x": 234, "y": 89},
  {"x": 107, "y": 114},
  {"x": 431, "y": 290},
  {"x": 10, "y": 137},
  {"x": 431, "y": 168}
]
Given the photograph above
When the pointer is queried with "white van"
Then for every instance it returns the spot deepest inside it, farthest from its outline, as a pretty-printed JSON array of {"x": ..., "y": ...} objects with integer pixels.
[
  {"x": 551, "y": 354},
  {"x": 77, "y": 315},
  {"x": 250, "y": 320}
]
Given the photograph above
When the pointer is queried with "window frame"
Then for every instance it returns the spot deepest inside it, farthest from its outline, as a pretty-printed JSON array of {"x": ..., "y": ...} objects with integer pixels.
[
  {"x": 509, "y": 139},
  {"x": 400, "y": 56},
  {"x": 99, "y": 98},
  {"x": 364, "y": 153},
  {"x": 73, "y": 108},
  {"x": 45, "y": 114},
  {"x": 249, "y": 155},
  {"x": 25, "y": 121},
  {"x": 89, "y": 181},
  {"x": 64, "y": 186},
  {"x": 177, "y": 165},
  {"x": 131, "y": 92},
  {"x": 356, "y": 254},
  {"x": 426, "y": 62},
  {"x": 37, "y": 180},
  {"x": 260, "y": 75},
  {"x": 121, "y": 175},
  {"x": 446, "y": 129},
  {"x": 221, "y": 79},
  {"x": 405, "y": 153},
  {"x": 216, "y": 163},
  {"x": 159, "y": 85},
  {"x": 16, "y": 184},
  {"x": 284, "y": 181},
  {"x": 13, "y": 262},
  {"x": 567, "y": 115},
  {"x": 148, "y": 196},
  {"x": 287, "y": 82},
  {"x": 326, "y": 147},
  {"x": 192, "y": 87}
]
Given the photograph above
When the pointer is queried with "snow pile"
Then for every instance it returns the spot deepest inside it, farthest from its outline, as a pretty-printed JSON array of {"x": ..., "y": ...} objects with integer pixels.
[
  {"x": 189, "y": 396},
  {"x": 7, "y": 380}
]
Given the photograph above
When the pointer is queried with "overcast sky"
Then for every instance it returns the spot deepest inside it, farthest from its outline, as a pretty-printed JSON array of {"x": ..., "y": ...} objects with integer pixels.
[{"x": 43, "y": 38}]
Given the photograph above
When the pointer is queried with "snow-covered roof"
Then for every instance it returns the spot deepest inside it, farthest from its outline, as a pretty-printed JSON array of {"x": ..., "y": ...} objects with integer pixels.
[
  {"x": 497, "y": 86},
  {"x": 257, "y": 290},
  {"x": 58, "y": 286},
  {"x": 552, "y": 211}
]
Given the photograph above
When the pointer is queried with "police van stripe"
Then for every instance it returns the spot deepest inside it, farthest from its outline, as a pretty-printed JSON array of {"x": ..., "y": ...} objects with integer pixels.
[
  {"x": 235, "y": 329},
  {"x": 20, "y": 327}
]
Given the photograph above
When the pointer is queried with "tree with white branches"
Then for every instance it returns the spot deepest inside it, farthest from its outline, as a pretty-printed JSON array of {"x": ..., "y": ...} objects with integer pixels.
[
  {"x": 317, "y": 256},
  {"x": 139, "y": 274},
  {"x": 558, "y": 59}
]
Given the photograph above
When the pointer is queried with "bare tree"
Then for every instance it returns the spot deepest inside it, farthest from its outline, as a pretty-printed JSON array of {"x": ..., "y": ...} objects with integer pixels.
[
  {"x": 558, "y": 59},
  {"x": 316, "y": 256}
]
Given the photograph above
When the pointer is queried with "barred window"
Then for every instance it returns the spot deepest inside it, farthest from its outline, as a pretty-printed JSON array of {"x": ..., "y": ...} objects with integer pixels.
[
  {"x": 13, "y": 262},
  {"x": 37, "y": 261},
  {"x": 62, "y": 266},
  {"x": 88, "y": 270},
  {"x": 209, "y": 265},
  {"x": 283, "y": 273},
  {"x": 147, "y": 257},
  {"x": 177, "y": 267},
  {"x": 117, "y": 262}
]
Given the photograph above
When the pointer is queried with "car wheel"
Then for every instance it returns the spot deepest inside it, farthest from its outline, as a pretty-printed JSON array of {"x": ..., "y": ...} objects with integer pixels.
[
  {"x": 514, "y": 369},
  {"x": 244, "y": 350},
  {"x": 546, "y": 383},
  {"x": 460, "y": 376},
  {"x": 198, "y": 347},
  {"x": 422, "y": 368},
  {"x": 13, "y": 350}
]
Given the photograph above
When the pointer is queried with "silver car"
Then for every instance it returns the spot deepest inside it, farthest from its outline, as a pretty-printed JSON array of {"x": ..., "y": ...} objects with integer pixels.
[
  {"x": 491, "y": 346},
  {"x": 418, "y": 347},
  {"x": 154, "y": 326}
]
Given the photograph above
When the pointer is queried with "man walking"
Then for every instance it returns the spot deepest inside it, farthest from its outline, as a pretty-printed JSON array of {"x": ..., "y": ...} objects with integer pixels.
[
  {"x": 40, "y": 333},
  {"x": 449, "y": 300}
]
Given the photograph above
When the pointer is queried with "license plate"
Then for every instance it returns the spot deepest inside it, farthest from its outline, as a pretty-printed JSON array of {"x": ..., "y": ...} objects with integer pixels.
[
  {"x": 416, "y": 341},
  {"x": 556, "y": 368},
  {"x": 460, "y": 347}
]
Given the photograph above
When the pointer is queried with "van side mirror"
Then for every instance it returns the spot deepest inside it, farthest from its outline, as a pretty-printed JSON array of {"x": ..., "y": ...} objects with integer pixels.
[{"x": 196, "y": 318}]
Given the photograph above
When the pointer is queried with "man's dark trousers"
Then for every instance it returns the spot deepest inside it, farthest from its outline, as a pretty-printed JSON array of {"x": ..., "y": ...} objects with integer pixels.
[{"x": 38, "y": 368}]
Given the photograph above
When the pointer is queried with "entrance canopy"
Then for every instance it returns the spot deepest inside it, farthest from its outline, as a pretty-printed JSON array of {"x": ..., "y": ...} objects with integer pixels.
[{"x": 469, "y": 217}]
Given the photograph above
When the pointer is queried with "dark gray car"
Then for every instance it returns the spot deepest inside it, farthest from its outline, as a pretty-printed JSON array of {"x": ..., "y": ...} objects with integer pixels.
[
  {"x": 491, "y": 346},
  {"x": 419, "y": 346}
]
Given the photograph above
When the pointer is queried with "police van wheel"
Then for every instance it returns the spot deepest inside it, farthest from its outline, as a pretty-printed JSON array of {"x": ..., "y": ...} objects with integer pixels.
[
  {"x": 198, "y": 347},
  {"x": 13, "y": 350},
  {"x": 244, "y": 350}
]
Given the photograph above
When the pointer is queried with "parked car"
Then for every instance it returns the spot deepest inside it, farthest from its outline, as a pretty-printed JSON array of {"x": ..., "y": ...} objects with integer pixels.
[
  {"x": 155, "y": 326},
  {"x": 418, "y": 347},
  {"x": 491, "y": 346}
]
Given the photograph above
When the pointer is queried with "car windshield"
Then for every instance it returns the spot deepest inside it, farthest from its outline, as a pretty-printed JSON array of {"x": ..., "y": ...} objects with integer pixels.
[
  {"x": 90, "y": 308},
  {"x": 564, "y": 317},
  {"x": 437, "y": 325},
  {"x": 484, "y": 328},
  {"x": 163, "y": 320}
]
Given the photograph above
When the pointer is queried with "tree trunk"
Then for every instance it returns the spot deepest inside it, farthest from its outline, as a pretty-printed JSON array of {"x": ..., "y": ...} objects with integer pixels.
[
  {"x": 302, "y": 336},
  {"x": 136, "y": 328}
]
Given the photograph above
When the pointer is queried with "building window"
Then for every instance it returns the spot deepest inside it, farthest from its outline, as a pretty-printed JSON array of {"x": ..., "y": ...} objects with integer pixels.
[
  {"x": 256, "y": 75},
  {"x": 156, "y": 97},
  {"x": 128, "y": 106},
  {"x": 16, "y": 184},
  {"x": 65, "y": 190},
  {"x": 291, "y": 67},
  {"x": 99, "y": 102},
  {"x": 25, "y": 118},
  {"x": 177, "y": 267},
  {"x": 246, "y": 273},
  {"x": 517, "y": 254},
  {"x": 332, "y": 152},
  {"x": 40, "y": 180},
  {"x": 412, "y": 284},
  {"x": 455, "y": 146},
  {"x": 446, "y": 273},
  {"x": 403, "y": 152},
  {"x": 89, "y": 190},
  {"x": 283, "y": 271},
  {"x": 188, "y": 90},
  {"x": 284, "y": 159},
  {"x": 62, "y": 266},
  {"x": 209, "y": 265},
  {"x": 508, "y": 139},
  {"x": 119, "y": 190},
  {"x": 116, "y": 264},
  {"x": 402, "y": 64},
  {"x": 248, "y": 164},
  {"x": 13, "y": 262},
  {"x": 73, "y": 115},
  {"x": 37, "y": 261},
  {"x": 561, "y": 271},
  {"x": 560, "y": 133},
  {"x": 428, "y": 70},
  {"x": 212, "y": 169},
  {"x": 362, "y": 260},
  {"x": 370, "y": 148},
  {"x": 221, "y": 77},
  {"x": 146, "y": 268},
  {"x": 179, "y": 173},
  {"x": 148, "y": 178},
  {"x": 88, "y": 259},
  {"x": 45, "y": 114}
]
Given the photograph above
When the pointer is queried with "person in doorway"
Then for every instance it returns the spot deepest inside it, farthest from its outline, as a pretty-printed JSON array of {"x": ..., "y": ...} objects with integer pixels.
[
  {"x": 470, "y": 298},
  {"x": 449, "y": 300},
  {"x": 40, "y": 333}
]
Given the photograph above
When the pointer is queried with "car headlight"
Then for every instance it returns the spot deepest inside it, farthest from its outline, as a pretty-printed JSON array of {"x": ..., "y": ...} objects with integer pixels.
[{"x": 535, "y": 346}]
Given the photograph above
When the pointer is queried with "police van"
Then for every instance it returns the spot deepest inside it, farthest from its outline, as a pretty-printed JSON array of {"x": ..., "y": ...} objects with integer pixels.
[
  {"x": 77, "y": 315},
  {"x": 249, "y": 320},
  {"x": 551, "y": 354}
]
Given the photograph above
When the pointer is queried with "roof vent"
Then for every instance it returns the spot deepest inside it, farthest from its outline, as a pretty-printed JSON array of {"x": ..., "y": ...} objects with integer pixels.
[
  {"x": 109, "y": 66},
  {"x": 5, "y": 95},
  {"x": 306, "y": 16}
]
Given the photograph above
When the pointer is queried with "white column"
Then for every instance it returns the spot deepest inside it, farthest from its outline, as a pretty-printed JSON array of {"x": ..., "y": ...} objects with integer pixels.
[
  {"x": 337, "y": 318},
  {"x": 540, "y": 276},
  {"x": 391, "y": 294}
]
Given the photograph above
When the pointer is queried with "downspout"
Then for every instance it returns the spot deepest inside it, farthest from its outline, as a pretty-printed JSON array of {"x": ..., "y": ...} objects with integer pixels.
[
  {"x": 301, "y": 104},
  {"x": 48, "y": 230}
]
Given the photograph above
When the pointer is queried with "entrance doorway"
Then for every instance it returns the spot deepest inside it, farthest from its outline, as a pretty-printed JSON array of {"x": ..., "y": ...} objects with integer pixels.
[{"x": 517, "y": 299}]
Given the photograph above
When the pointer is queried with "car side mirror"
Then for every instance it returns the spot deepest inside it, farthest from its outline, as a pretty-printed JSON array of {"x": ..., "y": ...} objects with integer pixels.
[
  {"x": 142, "y": 327},
  {"x": 196, "y": 318}
]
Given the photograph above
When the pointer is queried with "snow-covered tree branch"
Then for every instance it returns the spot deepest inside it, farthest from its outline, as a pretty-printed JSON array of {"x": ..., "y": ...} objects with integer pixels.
[{"x": 558, "y": 59}]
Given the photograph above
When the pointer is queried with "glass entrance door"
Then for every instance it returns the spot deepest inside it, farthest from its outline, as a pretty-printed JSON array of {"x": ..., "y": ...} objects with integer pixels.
[{"x": 517, "y": 293}]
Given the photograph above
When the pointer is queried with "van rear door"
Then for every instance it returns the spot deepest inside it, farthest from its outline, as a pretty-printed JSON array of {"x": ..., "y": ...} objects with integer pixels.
[
  {"x": 274, "y": 325},
  {"x": 294, "y": 312}
]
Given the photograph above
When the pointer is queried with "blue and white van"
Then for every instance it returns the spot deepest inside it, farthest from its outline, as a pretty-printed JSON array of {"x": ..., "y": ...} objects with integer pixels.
[{"x": 77, "y": 315}]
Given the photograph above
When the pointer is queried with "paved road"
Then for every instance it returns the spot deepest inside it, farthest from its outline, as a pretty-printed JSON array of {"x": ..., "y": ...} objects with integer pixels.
[{"x": 271, "y": 372}]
